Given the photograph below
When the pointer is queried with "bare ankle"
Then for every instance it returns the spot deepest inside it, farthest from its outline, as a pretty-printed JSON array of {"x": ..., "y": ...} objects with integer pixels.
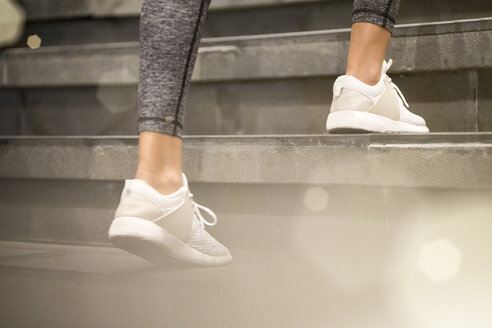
[
  {"x": 159, "y": 162},
  {"x": 368, "y": 76},
  {"x": 368, "y": 45},
  {"x": 164, "y": 182}
]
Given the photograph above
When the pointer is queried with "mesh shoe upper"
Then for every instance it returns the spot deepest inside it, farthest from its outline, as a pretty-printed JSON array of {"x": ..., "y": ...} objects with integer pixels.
[{"x": 202, "y": 241}]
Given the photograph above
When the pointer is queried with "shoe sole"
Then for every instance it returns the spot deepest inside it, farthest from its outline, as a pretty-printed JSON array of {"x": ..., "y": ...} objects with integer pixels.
[
  {"x": 154, "y": 244},
  {"x": 355, "y": 121}
]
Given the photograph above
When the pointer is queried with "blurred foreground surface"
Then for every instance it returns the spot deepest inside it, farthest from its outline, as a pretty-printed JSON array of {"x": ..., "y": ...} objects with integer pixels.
[{"x": 431, "y": 267}]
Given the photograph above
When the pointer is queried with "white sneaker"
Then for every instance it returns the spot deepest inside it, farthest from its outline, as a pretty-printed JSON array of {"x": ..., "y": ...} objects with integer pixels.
[
  {"x": 153, "y": 226},
  {"x": 357, "y": 106}
]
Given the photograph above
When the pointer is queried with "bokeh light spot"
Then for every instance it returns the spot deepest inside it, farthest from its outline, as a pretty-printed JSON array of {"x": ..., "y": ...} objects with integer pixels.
[
  {"x": 316, "y": 199},
  {"x": 34, "y": 41},
  {"x": 439, "y": 260},
  {"x": 12, "y": 18},
  {"x": 117, "y": 99}
]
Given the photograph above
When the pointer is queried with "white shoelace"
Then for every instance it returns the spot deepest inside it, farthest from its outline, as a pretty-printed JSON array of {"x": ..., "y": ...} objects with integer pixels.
[
  {"x": 197, "y": 207},
  {"x": 402, "y": 97},
  {"x": 386, "y": 67}
]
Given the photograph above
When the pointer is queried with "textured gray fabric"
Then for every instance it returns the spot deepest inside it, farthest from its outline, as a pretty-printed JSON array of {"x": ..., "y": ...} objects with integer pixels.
[
  {"x": 169, "y": 40},
  {"x": 379, "y": 12}
]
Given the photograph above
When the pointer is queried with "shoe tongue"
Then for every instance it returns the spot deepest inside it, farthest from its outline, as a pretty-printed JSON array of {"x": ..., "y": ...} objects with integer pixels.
[
  {"x": 185, "y": 180},
  {"x": 386, "y": 67}
]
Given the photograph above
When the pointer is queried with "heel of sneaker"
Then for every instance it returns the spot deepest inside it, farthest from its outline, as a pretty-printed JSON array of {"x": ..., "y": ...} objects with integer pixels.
[{"x": 142, "y": 238}]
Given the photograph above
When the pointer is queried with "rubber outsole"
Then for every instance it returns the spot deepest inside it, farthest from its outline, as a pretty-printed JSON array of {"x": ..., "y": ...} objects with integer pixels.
[
  {"x": 149, "y": 241},
  {"x": 357, "y": 122}
]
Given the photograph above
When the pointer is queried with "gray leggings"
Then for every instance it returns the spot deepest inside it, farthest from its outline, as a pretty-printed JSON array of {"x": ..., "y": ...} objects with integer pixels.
[{"x": 169, "y": 40}]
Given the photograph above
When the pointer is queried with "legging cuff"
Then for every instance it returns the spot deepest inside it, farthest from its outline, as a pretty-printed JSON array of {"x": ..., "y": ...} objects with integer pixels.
[
  {"x": 156, "y": 124},
  {"x": 379, "y": 12},
  {"x": 373, "y": 18}
]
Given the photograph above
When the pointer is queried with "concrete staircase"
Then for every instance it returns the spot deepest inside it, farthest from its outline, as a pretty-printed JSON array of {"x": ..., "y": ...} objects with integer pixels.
[
  {"x": 326, "y": 230},
  {"x": 245, "y": 84},
  {"x": 256, "y": 177}
]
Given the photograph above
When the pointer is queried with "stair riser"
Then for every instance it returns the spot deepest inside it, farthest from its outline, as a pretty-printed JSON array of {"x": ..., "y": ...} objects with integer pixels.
[
  {"x": 270, "y": 218},
  {"x": 449, "y": 101},
  {"x": 11, "y": 112}
]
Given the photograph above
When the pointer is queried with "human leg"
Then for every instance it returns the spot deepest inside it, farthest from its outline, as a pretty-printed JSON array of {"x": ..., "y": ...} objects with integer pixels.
[
  {"x": 372, "y": 24},
  {"x": 169, "y": 40},
  {"x": 365, "y": 99},
  {"x": 157, "y": 216},
  {"x": 368, "y": 45}
]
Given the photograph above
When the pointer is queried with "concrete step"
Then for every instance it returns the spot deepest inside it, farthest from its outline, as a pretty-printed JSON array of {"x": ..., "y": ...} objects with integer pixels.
[
  {"x": 374, "y": 282},
  {"x": 275, "y": 84},
  {"x": 456, "y": 45},
  {"x": 76, "y": 22},
  {"x": 65, "y": 190},
  {"x": 413, "y": 160}
]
